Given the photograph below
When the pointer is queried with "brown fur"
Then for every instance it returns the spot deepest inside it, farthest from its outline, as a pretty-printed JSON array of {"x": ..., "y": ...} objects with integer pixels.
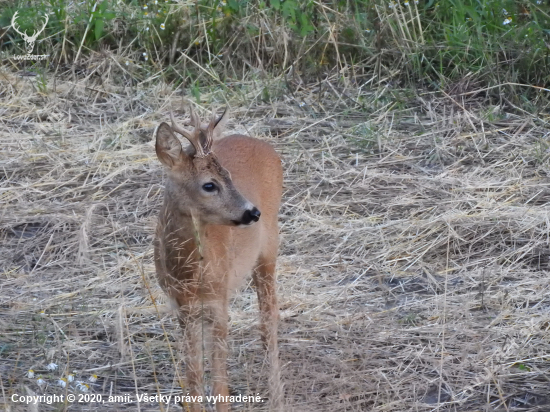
[{"x": 201, "y": 257}]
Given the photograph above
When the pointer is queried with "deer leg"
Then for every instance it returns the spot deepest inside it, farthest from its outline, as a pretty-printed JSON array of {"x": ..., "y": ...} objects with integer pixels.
[
  {"x": 264, "y": 279},
  {"x": 191, "y": 323},
  {"x": 220, "y": 319}
]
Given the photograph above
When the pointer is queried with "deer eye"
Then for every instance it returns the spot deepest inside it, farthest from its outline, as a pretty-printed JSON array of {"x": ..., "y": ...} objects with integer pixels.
[{"x": 209, "y": 187}]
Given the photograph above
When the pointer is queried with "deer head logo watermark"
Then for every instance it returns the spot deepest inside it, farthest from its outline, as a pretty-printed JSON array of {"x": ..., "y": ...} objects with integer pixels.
[{"x": 29, "y": 40}]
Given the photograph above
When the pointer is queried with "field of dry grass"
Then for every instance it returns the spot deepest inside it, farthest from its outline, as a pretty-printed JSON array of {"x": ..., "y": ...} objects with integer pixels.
[{"x": 414, "y": 260}]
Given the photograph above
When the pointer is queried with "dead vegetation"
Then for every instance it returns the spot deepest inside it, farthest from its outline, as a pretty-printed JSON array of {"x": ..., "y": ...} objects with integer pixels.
[{"x": 413, "y": 272}]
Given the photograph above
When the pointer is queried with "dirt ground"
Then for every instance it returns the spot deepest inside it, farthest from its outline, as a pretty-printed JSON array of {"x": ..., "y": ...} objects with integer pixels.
[{"x": 413, "y": 268}]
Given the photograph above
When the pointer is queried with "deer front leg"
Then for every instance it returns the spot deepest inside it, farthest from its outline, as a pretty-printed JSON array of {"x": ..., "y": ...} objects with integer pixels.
[
  {"x": 191, "y": 324},
  {"x": 220, "y": 320},
  {"x": 264, "y": 279}
]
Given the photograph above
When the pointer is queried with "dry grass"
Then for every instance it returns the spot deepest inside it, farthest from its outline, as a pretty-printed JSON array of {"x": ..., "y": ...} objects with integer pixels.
[{"x": 413, "y": 272}]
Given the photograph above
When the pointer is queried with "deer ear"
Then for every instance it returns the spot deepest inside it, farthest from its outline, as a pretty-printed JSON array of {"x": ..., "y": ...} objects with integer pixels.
[{"x": 168, "y": 146}]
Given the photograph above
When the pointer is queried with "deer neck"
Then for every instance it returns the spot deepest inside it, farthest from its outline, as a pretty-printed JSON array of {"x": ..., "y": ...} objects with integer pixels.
[{"x": 183, "y": 232}]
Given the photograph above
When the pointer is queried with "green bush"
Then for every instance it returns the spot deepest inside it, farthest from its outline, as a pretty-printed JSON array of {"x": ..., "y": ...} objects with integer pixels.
[{"x": 433, "y": 42}]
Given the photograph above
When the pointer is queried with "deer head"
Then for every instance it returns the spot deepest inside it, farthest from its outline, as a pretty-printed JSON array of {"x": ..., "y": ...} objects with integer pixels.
[
  {"x": 198, "y": 185},
  {"x": 29, "y": 40}
]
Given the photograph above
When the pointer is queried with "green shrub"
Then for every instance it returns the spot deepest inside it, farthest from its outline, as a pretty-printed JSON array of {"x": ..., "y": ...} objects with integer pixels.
[{"x": 433, "y": 42}]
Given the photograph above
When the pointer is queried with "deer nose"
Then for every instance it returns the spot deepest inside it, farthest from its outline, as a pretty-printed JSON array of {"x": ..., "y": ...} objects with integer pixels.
[{"x": 249, "y": 216}]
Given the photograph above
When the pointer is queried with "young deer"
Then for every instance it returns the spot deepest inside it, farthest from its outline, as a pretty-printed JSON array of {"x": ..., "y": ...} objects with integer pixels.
[{"x": 218, "y": 223}]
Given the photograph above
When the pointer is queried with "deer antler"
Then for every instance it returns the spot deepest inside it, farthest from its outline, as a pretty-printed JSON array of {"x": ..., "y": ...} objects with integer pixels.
[
  {"x": 202, "y": 136},
  {"x": 15, "y": 25},
  {"x": 211, "y": 126},
  {"x": 44, "y": 25},
  {"x": 200, "y": 149}
]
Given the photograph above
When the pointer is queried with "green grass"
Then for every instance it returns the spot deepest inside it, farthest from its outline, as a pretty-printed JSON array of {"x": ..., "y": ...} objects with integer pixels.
[{"x": 430, "y": 43}]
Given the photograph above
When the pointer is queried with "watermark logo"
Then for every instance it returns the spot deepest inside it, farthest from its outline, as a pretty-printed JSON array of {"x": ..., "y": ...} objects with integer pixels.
[{"x": 29, "y": 40}]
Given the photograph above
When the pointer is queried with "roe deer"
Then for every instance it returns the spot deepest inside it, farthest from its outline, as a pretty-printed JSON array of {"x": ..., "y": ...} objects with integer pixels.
[{"x": 217, "y": 224}]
